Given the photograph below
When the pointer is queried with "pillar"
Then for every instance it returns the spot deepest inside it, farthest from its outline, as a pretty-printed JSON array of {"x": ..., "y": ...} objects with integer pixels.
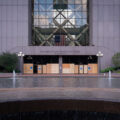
[
  {"x": 60, "y": 64},
  {"x": 99, "y": 64},
  {"x": 21, "y": 65}
]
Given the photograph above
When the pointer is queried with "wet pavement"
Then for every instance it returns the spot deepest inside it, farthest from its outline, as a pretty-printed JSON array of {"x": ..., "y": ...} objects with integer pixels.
[
  {"x": 50, "y": 88},
  {"x": 75, "y": 82}
]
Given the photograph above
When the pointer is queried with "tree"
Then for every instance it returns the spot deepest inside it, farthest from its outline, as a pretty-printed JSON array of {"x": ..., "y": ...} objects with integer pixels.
[
  {"x": 116, "y": 60},
  {"x": 8, "y": 62}
]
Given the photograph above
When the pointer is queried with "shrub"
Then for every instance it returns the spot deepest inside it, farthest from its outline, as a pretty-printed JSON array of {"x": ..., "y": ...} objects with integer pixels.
[
  {"x": 116, "y": 60},
  {"x": 109, "y": 69},
  {"x": 8, "y": 62}
]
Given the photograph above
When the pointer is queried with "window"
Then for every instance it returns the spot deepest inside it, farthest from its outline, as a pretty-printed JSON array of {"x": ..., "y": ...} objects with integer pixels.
[{"x": 60, "y": 22}]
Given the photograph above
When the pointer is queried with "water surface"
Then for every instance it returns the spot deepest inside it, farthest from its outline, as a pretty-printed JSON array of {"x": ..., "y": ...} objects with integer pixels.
[{"x": 89, "y": 82}]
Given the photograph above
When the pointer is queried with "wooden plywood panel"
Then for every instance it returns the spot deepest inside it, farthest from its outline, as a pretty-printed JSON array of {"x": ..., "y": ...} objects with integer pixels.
[
  {"x": 44, "y": 69},
  {"x": 72, "y": 67},
  {"x": 81, "y": 69},
  {"x": 55, "y": 68},
  {"x": 39, "y": 69},
  {"x": 66, "y": 66},
  {"x": 85, "y": 69},
  {"x": 93, "y": 68},
  {"x": 66, "y": 71},
  {"x": 48, "y": 68},
  {"x": 52, "y": 68},
  {"x": 90, "y": 68},
  {"x": 28, "y": 68},
  {"x": 76, "y": 69}
]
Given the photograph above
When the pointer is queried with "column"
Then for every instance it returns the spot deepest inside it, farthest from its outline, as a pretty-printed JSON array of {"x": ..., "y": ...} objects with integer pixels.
[
  {"x": 21, "y": 65},
  {"x": 60, "y": 64},
  {"x": 99, "y": 64}
]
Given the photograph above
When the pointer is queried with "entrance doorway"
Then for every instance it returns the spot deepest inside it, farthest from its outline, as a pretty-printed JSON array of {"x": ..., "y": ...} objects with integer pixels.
[
  {"x": 42, "y": 64},
  {"x": 79, "y": 64},
  {"x": 60, "y": 64}
]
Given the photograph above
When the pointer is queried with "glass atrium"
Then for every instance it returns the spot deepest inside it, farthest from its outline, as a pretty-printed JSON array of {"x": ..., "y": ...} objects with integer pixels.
[{"x": 60, "y": 23}]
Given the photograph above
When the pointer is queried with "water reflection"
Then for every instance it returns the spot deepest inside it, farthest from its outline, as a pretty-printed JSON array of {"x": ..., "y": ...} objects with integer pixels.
[{"x": 90, "y": 82}]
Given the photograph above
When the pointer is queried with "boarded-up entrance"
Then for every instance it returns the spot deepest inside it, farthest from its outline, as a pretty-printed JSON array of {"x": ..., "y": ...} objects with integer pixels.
[{"x": 52, "y": 65}]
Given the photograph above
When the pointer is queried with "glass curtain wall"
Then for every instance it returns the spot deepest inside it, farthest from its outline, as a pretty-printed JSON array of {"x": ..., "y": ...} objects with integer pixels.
[{"x": 60, "y": 23}]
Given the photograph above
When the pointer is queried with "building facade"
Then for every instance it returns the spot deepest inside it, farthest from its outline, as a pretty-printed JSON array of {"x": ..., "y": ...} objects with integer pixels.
[{"x": 61, "y": 31}]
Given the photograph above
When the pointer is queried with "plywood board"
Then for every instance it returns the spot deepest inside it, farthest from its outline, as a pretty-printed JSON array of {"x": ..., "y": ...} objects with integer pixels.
[
  {"x": 93, "y": 68},
  {"x": 66, "y": 66},
  {"x": 48, "y": 68},
  {"x": 72, "y": 68},
  {"x": 90, "y": 68},
  {"x": 66, "y": 71},
  {"x": 44, "y": 69},
  {"x": 52, "y": 68},
  {"x": 81, "y": 69},
  {"x": 85, "y": 69},
  {"x": 28, "y": 68},
  {"x": 55, "y": 68},
  {"x": 76, "y": 69},
  {"x": 39, "y": 69}
]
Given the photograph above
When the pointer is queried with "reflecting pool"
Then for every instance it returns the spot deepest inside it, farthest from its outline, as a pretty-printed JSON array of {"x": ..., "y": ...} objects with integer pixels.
[{"x": 89, "y": 82}]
